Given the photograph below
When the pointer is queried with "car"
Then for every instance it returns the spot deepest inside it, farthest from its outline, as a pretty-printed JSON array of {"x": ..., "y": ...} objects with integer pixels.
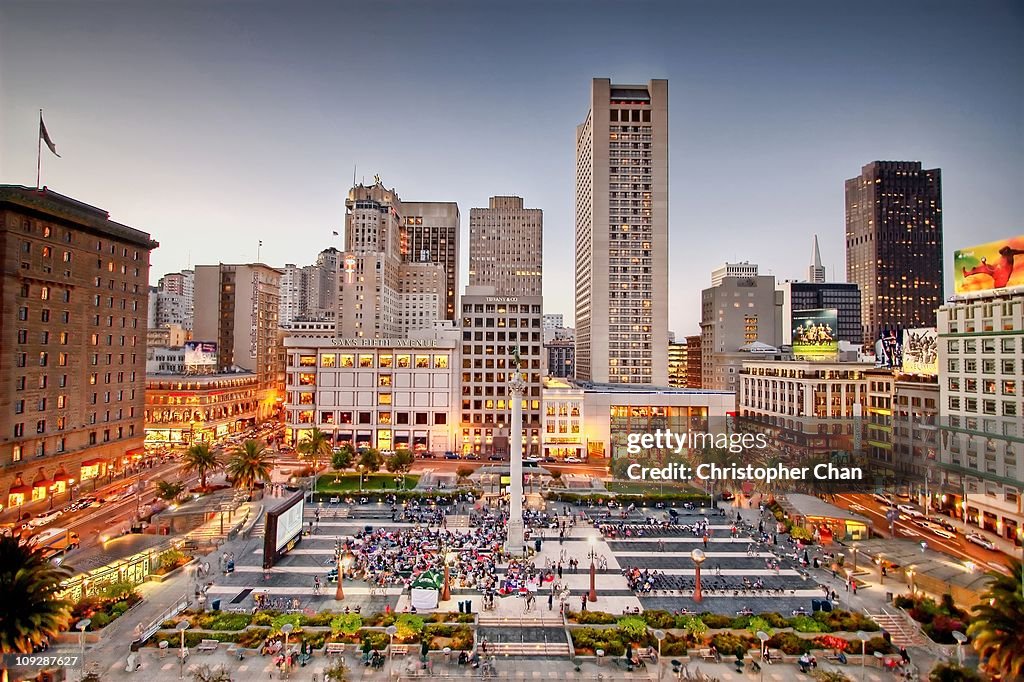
[
  {"x": 43, "y": 518},
  {"x": 882, "y": 498},
  {"x": 573, "y": 460},
  {"x": 451, "y": 455},
  {"x": 426, "y": 455},
  {"x": 727, "y": 495},
  {"x": 550, "y": 460},
  {"x": 531, "y": 460},
  {"x": 944, "y": 522},
  {"x": 910, "y": 511},
  {"x": 856, "y": 507},
  {"x": 924, "y": 524},
  {"x": 86, "y": 502},
  {"x": 980, "y": 540},
  {"x": 473, "y": 455},
  {"x": 942, "y": 532}
]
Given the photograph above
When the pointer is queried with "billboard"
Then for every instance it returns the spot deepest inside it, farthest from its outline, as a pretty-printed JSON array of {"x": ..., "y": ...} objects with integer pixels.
[
  {"x": 814, "y": 333},
  {"x": 921, "y": 351},
  {"x": 889, "y": 349},
  {"x": 996, "y": 265},
  {"x": 289, "y": 523},
  {"x": 201, "y": 353}
]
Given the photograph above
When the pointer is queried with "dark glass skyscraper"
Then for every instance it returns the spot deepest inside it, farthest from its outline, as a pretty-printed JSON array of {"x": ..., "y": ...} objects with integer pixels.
[{"x": 894, "y": 244}]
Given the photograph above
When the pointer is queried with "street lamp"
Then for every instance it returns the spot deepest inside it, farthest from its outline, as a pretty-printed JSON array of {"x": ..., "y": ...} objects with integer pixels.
[
  {"x": 360, "y": 467},
  {"x": 659, "y": 635},
  {"x": 391, "y": 631},
  {"x": 344, "y": 561},
  {"x": 81, "y": 626},
  {"x": 592, "y": 596},
  {"x": 910, "y": 579},
  {"x": 286, "y": 629},
  {"x": 960, "y": 639},
  {"x": 863, "y": 637},
  {"x": 698, "y": 558},
  {"x": 854, "y": 560},
  {"x": 181, "y": 627},
  {"x": 763, "y": 636}
]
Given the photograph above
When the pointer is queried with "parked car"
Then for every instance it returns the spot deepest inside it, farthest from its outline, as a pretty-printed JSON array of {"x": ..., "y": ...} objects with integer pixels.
[
  {"x": 44, "y": 518},
  {"x": 451, "y": 455},
  {"x": 727, "y": 495},
  {"x": 495, "y": 458},
  {"x": 910, "y": 510},
  {"x": 573, "y": 460},
  {"x": 980, "y": 540},
  {"x": 878, "y": 497},
  {"x": 944, "y": 522},
  {"x": 942, "y": 532},
  {"x": 531, "y": 460}
]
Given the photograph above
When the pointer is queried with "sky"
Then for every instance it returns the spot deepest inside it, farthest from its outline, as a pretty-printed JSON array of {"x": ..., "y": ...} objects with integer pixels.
[{"x": 213, "y": 125}]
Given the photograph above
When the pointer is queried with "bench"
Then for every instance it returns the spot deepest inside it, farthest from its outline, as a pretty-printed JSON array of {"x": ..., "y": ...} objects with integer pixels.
[
  {"x": 707, "y": 655},
  {"x": 399, "y": 649},
  {"x": 334, "y": 648},
  {"x": 208, "y": 645},
  {"x": 645, "y": 655}
]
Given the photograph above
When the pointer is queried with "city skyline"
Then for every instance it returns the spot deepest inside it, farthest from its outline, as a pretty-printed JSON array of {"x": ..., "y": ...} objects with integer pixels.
[{"x": 172, "y": 132}]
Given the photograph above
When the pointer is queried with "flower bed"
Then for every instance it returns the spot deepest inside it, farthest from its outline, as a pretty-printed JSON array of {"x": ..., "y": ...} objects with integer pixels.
[
  {"x": 938, "y": 621},
  {"x": 821, "y": 622},
  {"x": 113, "y": 602}
]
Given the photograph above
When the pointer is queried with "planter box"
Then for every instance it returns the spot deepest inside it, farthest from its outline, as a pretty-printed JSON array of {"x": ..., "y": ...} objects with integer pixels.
[{"x": 170, "y": 574}]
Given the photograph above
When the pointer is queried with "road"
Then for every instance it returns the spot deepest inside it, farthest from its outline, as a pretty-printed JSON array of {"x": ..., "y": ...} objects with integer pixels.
[
  {"x": 455, "y": 464},
  {"x": 958, "y": 548}
]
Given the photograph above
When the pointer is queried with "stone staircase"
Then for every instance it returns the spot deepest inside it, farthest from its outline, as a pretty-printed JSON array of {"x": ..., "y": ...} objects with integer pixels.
[
  {"x": 532, "y": 649},
  {"x": 900, "y": 628},
  {"x": 457, "y": 521},
  {"x": 534, "y": 620}
]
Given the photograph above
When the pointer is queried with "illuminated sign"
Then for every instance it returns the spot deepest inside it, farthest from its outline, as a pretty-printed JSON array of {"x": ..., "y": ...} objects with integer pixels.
[
  {"x": 996, "y": 265},
  {"x": 921, "y": 351},
  {"x": 814, "y": 333},
  {"x": 385, "y": 343}
]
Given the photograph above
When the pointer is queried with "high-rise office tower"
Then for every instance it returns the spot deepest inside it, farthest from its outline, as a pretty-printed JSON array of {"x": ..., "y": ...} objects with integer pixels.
[
  {"x": 894, "y": 244},
  {"x": 430, "y": 234},
  {"x": 816, "y": 271},
  {"x": 506, "y": 247},
  {"x": 622, "y": 235},
  {"x": 238, "y": 306},
  {"x": 73, "y": 315}
]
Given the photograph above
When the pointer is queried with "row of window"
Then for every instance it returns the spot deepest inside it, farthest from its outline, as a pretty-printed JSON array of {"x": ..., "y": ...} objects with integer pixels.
[{"x": 383, "y": 417}]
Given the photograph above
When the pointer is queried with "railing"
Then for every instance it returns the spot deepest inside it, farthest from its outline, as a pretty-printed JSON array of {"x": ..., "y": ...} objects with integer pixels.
[{"x": 172, "y": 611}]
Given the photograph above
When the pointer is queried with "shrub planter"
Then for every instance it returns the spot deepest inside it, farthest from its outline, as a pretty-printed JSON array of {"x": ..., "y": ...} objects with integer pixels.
[{"x": 159, "y": 578}]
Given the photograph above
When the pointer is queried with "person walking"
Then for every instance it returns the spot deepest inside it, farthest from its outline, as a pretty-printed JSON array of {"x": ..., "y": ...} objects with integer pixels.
[
  {"x": 551, "y": 601},
  {"x": 583, "y": 602}
]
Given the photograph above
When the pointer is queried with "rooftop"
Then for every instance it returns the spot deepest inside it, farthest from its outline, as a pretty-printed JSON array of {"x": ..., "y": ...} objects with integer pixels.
[{"x": 809, "y": 506}]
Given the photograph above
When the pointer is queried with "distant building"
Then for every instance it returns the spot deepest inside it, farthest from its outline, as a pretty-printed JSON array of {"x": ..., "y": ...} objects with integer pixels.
[
  {"x": 183, "y": 409},
  {"x": 693, "y": 362},
  {"x": 431, "y": 235},
  {"x": 72, "y": 344},
  {"x": 677, "y": 365},
  {"x": 506, "y": 247},
  {"x": 894, "y": 245},
  {"x": 802, "y": 296},
  {"x": 175, "y": 300},
  {"x": 560, "y": 358},
  {"x": 816, "y": 271},
  {"x": 553, "y": 320},
  {"x": 170, "y": 336},
  {"x": 743, "y": 269}
]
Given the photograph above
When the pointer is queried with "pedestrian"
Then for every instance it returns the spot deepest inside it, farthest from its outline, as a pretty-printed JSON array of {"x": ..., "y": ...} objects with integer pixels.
[
  {"x": 854, "y": 587},
  {"x": 559, "y": 570},
  {"x": 551, "y": 601},
  {"x": 705, "y": 542},
  {"x": 583, "y": 602}
]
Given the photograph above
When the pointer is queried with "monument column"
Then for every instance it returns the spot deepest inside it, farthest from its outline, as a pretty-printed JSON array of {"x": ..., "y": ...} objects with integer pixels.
[{"x": 516, "y": 390}]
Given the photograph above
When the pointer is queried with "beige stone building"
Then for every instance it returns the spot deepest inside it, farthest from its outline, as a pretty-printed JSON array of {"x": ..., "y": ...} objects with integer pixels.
[
  {"x": 72, "y": 345},
  {"x": 506, "y": 247},
  {"x": 622, "y": 235}
]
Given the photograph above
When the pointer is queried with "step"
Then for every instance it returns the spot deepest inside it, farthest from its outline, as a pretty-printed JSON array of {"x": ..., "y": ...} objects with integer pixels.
[
  {"x": 901, "y": 632},
  {"x": 527, "y": 649},
  {"x": 458, "y": 521},
  {"x": 490, "y": 619}
]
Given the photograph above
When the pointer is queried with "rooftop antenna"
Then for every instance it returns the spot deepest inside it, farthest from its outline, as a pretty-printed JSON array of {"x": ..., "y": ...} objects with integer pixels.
[{"x": 353, "y": 175}]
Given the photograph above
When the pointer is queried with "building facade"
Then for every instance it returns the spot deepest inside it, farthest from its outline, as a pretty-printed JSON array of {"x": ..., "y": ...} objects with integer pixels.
[
  {"x": 981, "y": 362},
  {"x": 808, "y": 409},
  {"x": 677, "y": 365},
  {"x": 175, "y": 299},
  {"x": 493, "y": 328},
  {"x": 622, "y": 235},
  {"x": 894, "y": 245},
  {"x": 744, "y": 269},
  {"x": 183, "y": 409},
  {"x": 739, "y": 311},
  {"x": 431, "y": 235},
  {"x": 560, "y": 358},
  {"x": 694, "y": 362},
  {"x": 844, "y": 297},
  {"x": 506, "y": 247},
  {"x": 381, "y": 393},
  {"x": 237, "y": 306},
  {"x": 73, "y": 331},
  {"x": 563, "y": 420}
]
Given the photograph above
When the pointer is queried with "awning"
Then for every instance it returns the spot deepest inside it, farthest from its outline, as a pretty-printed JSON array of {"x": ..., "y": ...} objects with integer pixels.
[
  {"x": 136, "y": 451},
  {"x": 93, "y": 462},
  {"x": 43, "y": 483},
  {"x": 61, "y": 476},
  {"x": 20, "y": 490}
]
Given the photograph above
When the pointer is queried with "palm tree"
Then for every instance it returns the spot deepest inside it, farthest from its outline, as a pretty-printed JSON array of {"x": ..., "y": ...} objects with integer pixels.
[
  {"x": 316, "y": 445},
  {"x": 201, "y": 459},
  {"x": 995, "y": 629},
  {"x": 249, "y": 465},
  {"x": 169, "y": 490},
  {"x": 31, "y": 612}
]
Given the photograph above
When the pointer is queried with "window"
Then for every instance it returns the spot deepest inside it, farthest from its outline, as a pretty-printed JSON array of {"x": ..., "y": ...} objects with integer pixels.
[
  {"x": 384, "y": 380},
  {"x": 19, "y": 407},
  {"x": 441, "y": 361},
  {"x": 366, "y": 360},
  {"x": 385, "y": 361},
  {"x": 19, "y": 430},
  {"x": 328, "y": 360},
  {"x": 403, "y": 361},
  {"x": 346, "y": 361},
  {"x": 422, "y": 418},
  {"x": 383, "y": 398},
  {"x": 41, "y": 426},
  {"x": 422, "y": 361},
  {"x": 307, "y": 361},
  {"x": 440, "y": 418}
]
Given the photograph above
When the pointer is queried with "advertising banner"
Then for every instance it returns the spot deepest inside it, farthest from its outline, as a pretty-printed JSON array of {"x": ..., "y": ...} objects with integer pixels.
[
  {"x": 814, "y": 333},
  {"x": 889, "y": 349},
  {"x": 921, "y": 351},
  {"x": 201, "y": 353},
  {"x": 996, "y": 265}
]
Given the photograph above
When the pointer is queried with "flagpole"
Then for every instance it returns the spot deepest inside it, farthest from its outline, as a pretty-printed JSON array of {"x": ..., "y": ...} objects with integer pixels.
[{"x": 39, "y": 148}]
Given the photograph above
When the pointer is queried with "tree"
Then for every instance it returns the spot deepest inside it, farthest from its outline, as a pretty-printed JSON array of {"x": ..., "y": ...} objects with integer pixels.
[
  {"x": 951, "y": 672},
  {"x": 317, "y": 444},
  {"x": 720, "y": 457},
  {"x": 249, "y": 465},
  {"x": 337, "y": 670},
  {"x": 995, "y": 629},
  {"x": 400, "y": 462},
  {"x": 169, "y": 491},
  {"x": 369, "y": 459},
  {"x": 556, "y": 477},
  {"x": 342, "y": 457},
  {"x": 31, "y": 612},
  {"x": 463, "y": 473},
  {"x": 200, "y": 458}
]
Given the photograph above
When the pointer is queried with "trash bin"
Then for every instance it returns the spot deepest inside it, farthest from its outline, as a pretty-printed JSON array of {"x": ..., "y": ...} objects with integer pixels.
[
  {"x": 215, "y": 604},
  {"x": 163, "y": 648},
  {"x": 888, "y": 597},
  {"x": 469, "y": 606},
  {"x": 536, "y": 544},
  {"x": 461, "y": 607}
]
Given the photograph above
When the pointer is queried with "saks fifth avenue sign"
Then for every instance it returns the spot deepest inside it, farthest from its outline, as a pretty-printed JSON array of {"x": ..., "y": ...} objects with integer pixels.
[{"x": 384, "y": 343}]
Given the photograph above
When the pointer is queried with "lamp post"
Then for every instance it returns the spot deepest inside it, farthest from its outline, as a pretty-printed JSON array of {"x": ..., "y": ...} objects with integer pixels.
[
  {"x": 698, "y": 558},
  {"x": 854, "y": 560},
  {"x": 286, "y": 629},
  {"x": 360, "y": 467},
  {"x": 863, "y": 637},
  {"x": 910, "y": 579},
  {"x": 181, "y": 627},
  {"x": 81, "y": 626},
  {"x": 592, "y": 596},
  {"x": 391, "y": 631},
  {"x": 344, "y": 561},
  {"x": 960, "y": 639},
  {"x": 659, "y": 635},
  {"x": 763, "y": 636}
]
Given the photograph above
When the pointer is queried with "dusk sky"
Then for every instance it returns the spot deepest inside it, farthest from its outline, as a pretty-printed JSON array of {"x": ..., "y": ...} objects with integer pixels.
[{"x": 212, "y": 125}]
